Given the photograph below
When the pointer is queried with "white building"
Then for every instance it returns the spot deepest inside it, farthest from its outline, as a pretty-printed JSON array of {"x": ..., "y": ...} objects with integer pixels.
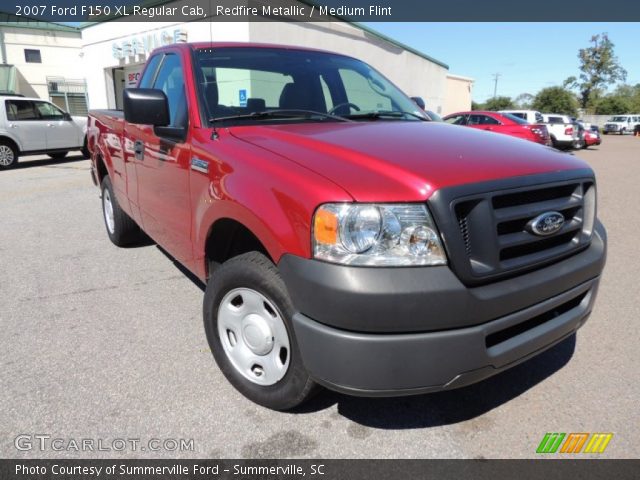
[
  {"x": 109, "y": 56},
  {"x": 458, "y": 94},
  {"x": 42, "y": 59}
]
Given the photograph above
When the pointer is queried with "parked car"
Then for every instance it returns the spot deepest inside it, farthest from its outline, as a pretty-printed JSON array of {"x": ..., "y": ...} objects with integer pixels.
[
  {"x": 621, "y": 124},
  {"x": 30, "y": 126},
  {"x": 562, "y": 130},
  {"x": 591, "y": 138},
  {"x": 589, "y": 134},
  {"x": 531, "y": 116},
  {"x": 345, "y": 239},
  {"x": 501, "y": 123}
]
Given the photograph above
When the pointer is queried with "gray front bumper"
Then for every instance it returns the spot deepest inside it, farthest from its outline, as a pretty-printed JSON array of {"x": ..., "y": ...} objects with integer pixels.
[{"x": 406, "y": 364}]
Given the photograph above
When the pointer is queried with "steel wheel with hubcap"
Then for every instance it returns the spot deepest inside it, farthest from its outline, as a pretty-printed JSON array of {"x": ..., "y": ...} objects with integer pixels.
[
  {"x": 8, "y": 156},
  {"x": 247, "y": 312},
  {"x": 122, "y": 230},
  {"x": 253, "y": 336},
  {"x": 107, "y": 208}
]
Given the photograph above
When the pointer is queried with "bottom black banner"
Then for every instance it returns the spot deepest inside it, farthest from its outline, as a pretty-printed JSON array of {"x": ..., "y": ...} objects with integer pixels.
[{"x": 318, "y": 469}]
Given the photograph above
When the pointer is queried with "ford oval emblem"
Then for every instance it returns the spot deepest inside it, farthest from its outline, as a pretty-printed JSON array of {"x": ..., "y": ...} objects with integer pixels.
[{"x": 547, "y": 223}]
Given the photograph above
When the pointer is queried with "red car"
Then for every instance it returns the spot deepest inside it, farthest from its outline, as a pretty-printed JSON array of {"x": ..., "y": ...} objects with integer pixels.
[
  {"x": 501, "y": 123},
  {"x": 591, "y": 138}
]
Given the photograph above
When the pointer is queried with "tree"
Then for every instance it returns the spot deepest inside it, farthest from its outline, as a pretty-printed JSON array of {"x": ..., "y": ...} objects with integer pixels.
[
  {"x": 599, "y": 67},
  {"x": 613, "y": 105},
  {"x": 555, "y": 100},
  {"x": 524, "y": 101},
  {"x": 477, "y": 106},
  {"x": 498, "y": 103}
]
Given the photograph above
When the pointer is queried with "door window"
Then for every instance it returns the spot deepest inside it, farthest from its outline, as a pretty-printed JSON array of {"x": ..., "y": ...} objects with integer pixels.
[
  {"x": 49, "y": 111},
  {"x": 487, "y": 120},
  {"x": 150, "y": 72},
  {"x": 18, "y": 110},
  {"x": 170, "y": 80}
]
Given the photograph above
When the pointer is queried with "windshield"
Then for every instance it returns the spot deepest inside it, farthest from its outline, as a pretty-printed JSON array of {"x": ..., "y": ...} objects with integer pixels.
[
  {"x": 245, "y": 84},
  {"x": 618, "y": 119}
]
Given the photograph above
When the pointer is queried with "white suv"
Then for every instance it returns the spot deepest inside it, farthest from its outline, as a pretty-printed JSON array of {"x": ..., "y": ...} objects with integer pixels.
[
  {"x": 33, "y": 126},
  {"x": 621, "y": 124}
]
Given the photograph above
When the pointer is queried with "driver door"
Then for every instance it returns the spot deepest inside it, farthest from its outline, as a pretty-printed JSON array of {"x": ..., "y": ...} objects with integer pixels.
[
  {"x": 163, "y": 166},
  {"x": 62, "y": 132}
]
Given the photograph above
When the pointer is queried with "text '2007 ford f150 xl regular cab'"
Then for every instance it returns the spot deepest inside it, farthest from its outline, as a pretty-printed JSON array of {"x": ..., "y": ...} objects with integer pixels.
[{"x": 345, "y": 239}]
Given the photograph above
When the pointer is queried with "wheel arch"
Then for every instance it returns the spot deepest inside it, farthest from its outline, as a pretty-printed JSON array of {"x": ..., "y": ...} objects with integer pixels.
[
  {"x": 228, "y": 237},
  {"x": 9, "y": 139}
]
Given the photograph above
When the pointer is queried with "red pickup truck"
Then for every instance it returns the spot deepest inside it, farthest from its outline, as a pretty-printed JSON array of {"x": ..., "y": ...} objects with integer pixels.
[{"x": 344, "y": 238}]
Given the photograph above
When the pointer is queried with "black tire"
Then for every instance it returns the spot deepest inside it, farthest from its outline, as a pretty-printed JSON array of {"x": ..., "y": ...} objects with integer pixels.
[
  {"x": 8, "y": 155},
  {"x": 58, "y": 155},
  {"x": 85, "y": 149},
  {"x": 256, "y": 272},
  {"x": 124, "y": 230},
  {"x": 622, "y": 130},
  {"x": 604, "y": 132}
]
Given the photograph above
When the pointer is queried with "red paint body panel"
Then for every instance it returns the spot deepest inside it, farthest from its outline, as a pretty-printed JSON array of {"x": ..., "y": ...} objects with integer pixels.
[{"x": 272, "y": 178}]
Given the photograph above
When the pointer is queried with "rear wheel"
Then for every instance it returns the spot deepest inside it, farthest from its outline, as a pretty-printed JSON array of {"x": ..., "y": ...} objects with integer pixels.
[
  {"x": 247, "y": 320},
  {"x": 8, "y": 155},
  {"x": 85, "y": 149},
  {"x": 122, "y": 230},
  {"x": 58, "y": 155}
]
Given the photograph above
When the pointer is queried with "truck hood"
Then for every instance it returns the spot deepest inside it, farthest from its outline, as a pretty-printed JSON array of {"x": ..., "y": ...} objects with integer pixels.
[{"x": 402, "y": 160}]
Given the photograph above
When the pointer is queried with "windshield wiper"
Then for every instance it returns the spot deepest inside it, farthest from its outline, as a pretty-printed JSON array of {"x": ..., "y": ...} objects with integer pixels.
[
  {"x": 280, "y": 113},
  {"x": 385, "y": 113}
]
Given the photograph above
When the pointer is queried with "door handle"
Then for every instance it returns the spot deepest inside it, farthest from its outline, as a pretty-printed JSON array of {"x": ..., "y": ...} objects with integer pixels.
[
  {"x": 13, "y": 125},
  {"x": 51, "y": 125},
  {"x": 138, "y": 150}
]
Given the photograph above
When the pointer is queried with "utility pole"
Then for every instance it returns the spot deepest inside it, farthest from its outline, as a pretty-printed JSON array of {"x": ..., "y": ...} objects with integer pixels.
[{"x": 495, "y": 85}]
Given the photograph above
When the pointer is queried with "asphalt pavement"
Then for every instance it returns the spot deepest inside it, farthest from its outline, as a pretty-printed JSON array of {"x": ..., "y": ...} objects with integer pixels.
[{"x": 105, "y": 344}]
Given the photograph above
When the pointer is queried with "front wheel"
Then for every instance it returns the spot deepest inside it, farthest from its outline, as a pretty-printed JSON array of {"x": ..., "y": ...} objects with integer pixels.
[
  {"x": 247, "y": 320},
  {"x": 8, "y": 155}
]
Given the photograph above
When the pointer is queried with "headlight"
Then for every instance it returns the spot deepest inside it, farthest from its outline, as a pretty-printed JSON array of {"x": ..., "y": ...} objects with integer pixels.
[{"x": 376, "y": 235}]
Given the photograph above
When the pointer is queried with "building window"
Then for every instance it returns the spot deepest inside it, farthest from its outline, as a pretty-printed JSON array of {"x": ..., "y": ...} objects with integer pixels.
[{"x": 32, "y": 56}]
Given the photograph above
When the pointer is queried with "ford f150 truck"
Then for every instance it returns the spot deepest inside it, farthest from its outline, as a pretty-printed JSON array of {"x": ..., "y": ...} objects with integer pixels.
[{"x": 345, "y": 240}]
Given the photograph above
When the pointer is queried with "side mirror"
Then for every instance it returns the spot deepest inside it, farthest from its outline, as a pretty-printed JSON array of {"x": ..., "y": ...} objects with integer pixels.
[
  {"x": 420, "y": 102},
  {"x": 67, "y": 117},
  {"x": 146, "y": 106}
]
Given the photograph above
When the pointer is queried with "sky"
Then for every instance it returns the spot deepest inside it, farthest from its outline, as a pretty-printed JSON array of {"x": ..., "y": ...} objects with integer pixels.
[{"x": 528, "y": 56}]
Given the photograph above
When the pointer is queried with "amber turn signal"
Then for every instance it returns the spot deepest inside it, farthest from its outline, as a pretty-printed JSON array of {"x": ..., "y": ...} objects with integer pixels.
[{"x": 325, "y": 227}]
